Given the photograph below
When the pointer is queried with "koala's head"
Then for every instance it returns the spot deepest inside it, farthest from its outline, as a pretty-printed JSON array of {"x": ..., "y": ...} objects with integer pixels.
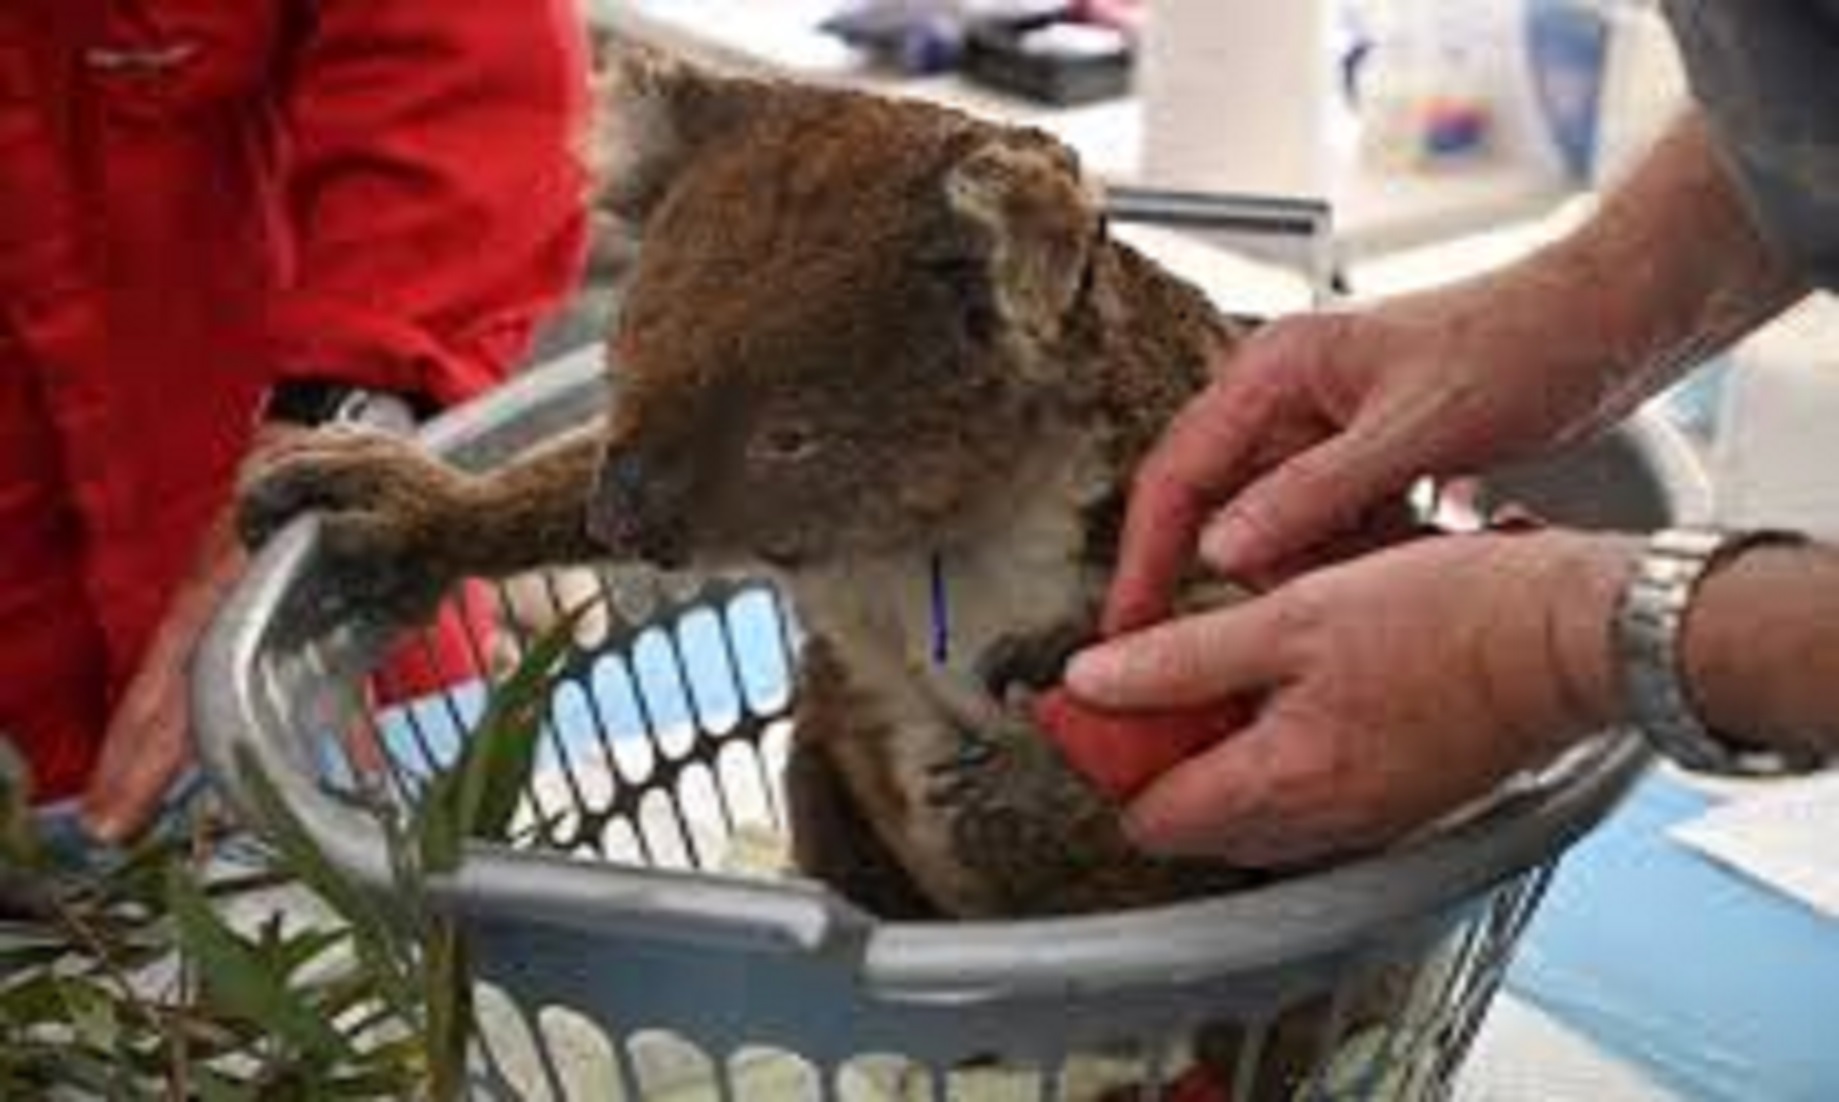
[{"x": 843, "y": 319}]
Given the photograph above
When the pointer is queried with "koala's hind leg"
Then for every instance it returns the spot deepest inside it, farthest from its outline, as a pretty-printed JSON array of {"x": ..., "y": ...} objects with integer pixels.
[{"x": 834, "y": 843}]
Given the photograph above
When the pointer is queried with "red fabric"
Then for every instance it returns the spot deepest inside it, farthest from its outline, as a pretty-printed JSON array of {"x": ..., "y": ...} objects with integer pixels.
[
  {"x": 199, "y": 196},
  {"x": 1120, "y": 753}
]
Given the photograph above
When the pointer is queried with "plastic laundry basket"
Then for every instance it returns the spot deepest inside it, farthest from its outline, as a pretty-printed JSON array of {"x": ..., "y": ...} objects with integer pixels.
[
  {"x": 643, "y": 946},
  {"x": 646, "y": 941}
]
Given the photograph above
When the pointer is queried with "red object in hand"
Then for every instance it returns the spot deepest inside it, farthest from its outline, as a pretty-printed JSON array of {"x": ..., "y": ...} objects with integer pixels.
[{"x": 1121, "y": 753}]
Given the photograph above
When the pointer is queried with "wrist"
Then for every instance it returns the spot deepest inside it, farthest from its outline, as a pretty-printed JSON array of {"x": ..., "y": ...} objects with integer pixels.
[
  {"x": 1665, "y": 690},
  {"x": 1751, "y": 686},
  {"x": 1582, "y": 589}
]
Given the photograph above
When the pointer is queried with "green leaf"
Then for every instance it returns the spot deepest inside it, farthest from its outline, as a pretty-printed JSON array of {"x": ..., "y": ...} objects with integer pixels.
[
  {"x": 29, "y": 945},
  {"x": 450, "y": 1013},
  {"x": 381, "y": 944},
  {"x": 237, "y": 982},
  {"x": 296, "y": 951},
  {"x": 91, "y": 1013},
  {"x": 20, "y": 844},
  {"x": 478, "y": 797},
  {"x": 213, "y": 1086},
  {"x": 31, "y": 1001}
]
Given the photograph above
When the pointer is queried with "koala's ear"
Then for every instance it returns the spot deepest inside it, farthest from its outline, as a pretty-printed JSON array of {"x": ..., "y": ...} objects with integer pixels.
[
  {"x": 1036, "y": 220},
  {"x": 653, "y": 113}
]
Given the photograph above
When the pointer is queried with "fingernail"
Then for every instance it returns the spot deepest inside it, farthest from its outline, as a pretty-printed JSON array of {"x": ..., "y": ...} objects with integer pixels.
[
  {"x": 105, "y": 831},
  {"x": 1225, "y": 542},
  {"x": 1148, "y": 831},
  {"x": 1090, "y": 670}
]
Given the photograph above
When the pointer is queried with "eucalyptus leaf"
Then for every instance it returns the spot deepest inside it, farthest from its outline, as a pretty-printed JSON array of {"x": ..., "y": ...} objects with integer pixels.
[
  {"x": 450, "y": 1013},
  {"x": 479, "y": 796},
  {"x": 234, "y": 976},
  {"x": 378, "y": 941},
  {"x": 20, "y": 844},
  {"x": 212, "y": 1086},
  {"x": 91, "y": 1013},
  {"x": 31, "y": 1001}
]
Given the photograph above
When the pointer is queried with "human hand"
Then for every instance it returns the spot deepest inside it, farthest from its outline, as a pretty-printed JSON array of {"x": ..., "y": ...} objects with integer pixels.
[
  {"x": 148, "y": 744},
  {"x": 1386, "y": 691},
  {"x": 1301, "y": 450}
]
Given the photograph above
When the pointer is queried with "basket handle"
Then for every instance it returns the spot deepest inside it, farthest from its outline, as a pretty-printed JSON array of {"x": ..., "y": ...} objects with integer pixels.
[{"x": 660, "y": 904}]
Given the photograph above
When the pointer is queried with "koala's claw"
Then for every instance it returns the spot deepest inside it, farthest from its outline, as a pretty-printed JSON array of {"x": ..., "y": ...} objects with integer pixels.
[
  {"x": 1029, "y": 662},
  {"x": 378, "y": 496}
]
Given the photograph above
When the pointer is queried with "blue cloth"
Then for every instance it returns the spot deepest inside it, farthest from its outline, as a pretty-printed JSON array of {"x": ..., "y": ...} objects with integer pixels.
[{"x": 1724, "y": 990}]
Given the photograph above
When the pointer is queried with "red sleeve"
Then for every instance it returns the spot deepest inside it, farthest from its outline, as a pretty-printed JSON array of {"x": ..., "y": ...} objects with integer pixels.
[{"x": 434, "y": 189}]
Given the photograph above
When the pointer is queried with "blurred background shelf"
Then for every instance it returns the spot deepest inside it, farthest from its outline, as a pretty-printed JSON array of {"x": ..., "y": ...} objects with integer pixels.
[{"x": 1377, "y": 211}]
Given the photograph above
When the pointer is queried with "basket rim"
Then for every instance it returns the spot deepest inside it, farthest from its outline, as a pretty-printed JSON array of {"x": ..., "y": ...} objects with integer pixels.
[{"x": 1312, "y": 917}]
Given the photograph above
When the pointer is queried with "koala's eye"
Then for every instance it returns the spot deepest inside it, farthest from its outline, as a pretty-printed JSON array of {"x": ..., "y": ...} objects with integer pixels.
[{"x": 785, "y": 442}]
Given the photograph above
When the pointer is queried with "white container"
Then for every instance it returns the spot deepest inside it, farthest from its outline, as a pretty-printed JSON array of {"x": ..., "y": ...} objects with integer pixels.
[
  {"x": 1776, "y": 449},
  {"x": 1237, "y": 96}
]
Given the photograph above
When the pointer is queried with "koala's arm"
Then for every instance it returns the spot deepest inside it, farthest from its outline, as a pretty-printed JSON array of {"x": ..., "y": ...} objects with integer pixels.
[
  {"x": 399, "y": 526},
  {"x": 533, "y": 512}
]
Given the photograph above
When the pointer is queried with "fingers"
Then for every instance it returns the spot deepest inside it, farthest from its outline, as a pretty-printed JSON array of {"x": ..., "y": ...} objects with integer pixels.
[
  {"x": 1392, "y": 522},
  {"x": 1307, "y": 501},
  {"x": 1185, "y": 663},
  {"x": 1200, "y": 460},
  {"x": 147, "y": 746},
  {"x": 1234, "y": 803}
]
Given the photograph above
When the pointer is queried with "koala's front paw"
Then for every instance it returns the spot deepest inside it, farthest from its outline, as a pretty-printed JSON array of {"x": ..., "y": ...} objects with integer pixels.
[
  {"x": 388, "y": 512},
  {"x": 1033, "y": 661}
]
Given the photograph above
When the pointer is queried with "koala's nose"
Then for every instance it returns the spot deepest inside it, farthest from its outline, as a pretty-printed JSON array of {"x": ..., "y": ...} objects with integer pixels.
[{"x": 633, "y": 513}]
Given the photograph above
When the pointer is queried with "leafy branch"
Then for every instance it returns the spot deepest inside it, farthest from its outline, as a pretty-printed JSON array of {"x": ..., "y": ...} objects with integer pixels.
[{"x": 176, "y": 970}]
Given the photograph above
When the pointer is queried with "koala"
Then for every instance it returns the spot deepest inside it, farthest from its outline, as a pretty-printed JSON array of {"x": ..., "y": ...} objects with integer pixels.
[
  {"x": 889, "y": 352},
  {"x": 882, "y": 348}
]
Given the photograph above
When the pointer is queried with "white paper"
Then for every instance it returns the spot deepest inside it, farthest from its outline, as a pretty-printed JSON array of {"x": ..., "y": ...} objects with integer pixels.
[{"x": 1786, "y": 837}]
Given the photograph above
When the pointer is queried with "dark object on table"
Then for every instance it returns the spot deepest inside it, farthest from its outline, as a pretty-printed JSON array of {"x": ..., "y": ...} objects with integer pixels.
[{"x": 1058, "y": 62}]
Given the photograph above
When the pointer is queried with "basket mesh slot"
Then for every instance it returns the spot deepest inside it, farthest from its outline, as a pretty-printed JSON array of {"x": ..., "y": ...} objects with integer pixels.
[
  {"x": 757, "y": 1071},
  {"x": 879, "y": 1077},
  {"x": 669, "y": 1067}
]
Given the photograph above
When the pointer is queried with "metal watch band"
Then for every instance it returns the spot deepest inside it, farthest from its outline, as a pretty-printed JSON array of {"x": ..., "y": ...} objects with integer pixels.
[{"x": 1647, "y": 629}]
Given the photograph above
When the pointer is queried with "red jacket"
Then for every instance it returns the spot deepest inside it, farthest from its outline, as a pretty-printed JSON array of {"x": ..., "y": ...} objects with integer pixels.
[{"x": 200, "y": 196}]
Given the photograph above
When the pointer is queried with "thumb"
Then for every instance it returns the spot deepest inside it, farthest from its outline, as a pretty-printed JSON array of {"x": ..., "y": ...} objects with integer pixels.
[
  {"x": 146, "y": 747},
  {"x": 1306, "y": 501}
]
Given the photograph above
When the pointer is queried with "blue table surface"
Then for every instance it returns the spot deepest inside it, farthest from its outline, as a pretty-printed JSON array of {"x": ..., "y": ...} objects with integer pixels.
[{"x": 1721, "y": 989}]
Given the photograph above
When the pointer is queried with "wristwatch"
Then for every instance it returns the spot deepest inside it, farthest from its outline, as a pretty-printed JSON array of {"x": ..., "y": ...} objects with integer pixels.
[
  {"x": 1647, "y": 628},
  {"x": 312, "y": 402}
]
